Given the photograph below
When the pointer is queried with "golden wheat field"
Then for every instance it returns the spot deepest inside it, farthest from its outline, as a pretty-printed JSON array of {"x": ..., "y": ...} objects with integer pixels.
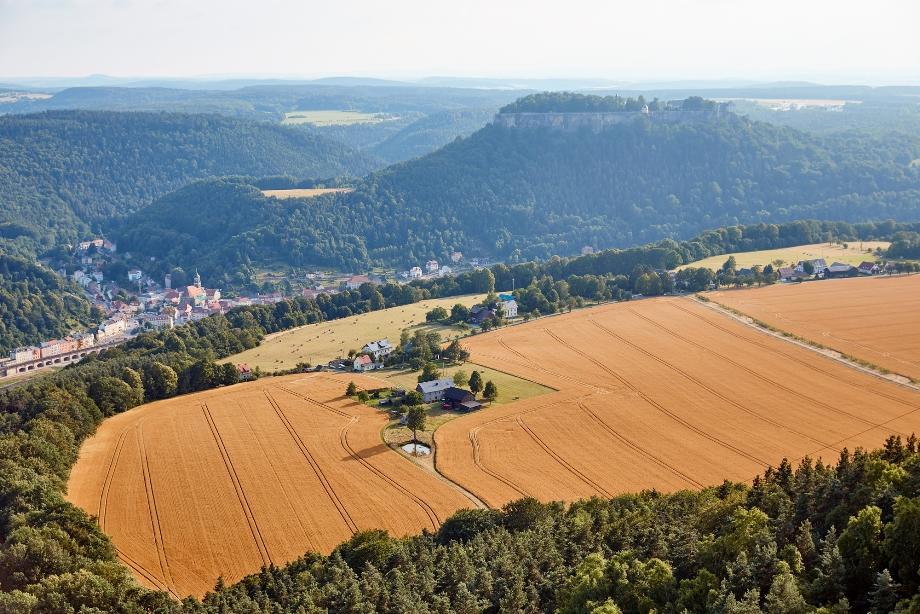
[
  {"x": 662, "y": 393},
  {"x": 222, "y": 482},
  {"x": 875, "y": 319}
]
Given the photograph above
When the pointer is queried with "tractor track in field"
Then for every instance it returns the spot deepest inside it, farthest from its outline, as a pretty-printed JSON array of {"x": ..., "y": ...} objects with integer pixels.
[
  {"x": 656, "y": 404},
  {"x": 426, "y": 508},
  {"x": 706, "y": 387},
  {"x": 759, "y": 376},
  {"x": 146, "y": 573},
  {"x": 564, "y": 463},
  {"x": 636, "y": 447},
  {"x": 109, "y": 475},
  {"x": 539, "y": 367},
  {"x": 796, "y": 359},
  {"x": 320, "y": 475},
  {"x": 152, "y": 511},
  {"x": 238, "y": 486}
]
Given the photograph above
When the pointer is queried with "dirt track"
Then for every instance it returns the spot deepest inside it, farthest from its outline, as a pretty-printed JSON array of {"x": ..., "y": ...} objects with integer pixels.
[
  {"x": 662, "y": 394},
  {"x": 222, "y": 482},
  {"x": 875, "y": 319}
]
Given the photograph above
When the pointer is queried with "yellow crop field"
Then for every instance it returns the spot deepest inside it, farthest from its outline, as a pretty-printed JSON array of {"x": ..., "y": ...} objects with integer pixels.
[
  {"x": 875, "y": 319},
  {"x": 320, "y": 343},
  {"x": 304, "y": 192},
  {"x": 332, "y": 118},
  {"x": 855, "y": 252}
]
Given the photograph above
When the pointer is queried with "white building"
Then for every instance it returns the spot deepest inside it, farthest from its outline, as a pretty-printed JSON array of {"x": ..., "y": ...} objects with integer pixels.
[
  {"x": 365, "y": 363},
  {"x": 415, "y": 273},
  {"x": 434, "y": 390},
  {"x": 510, "y": 307},
  {"x": 431, "y": 266},
  {"x": 378, "y": 349}
]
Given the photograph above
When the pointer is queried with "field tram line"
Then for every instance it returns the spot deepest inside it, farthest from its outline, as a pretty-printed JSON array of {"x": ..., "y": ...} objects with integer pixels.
[
  {"x": 710, "y": 389},
  {"x": 759, "y": 376},
  {"x": 540, "y": 367},
  {"x": 799, "y": 360},
  {"x": 238, "y": 486},
  {"x": 656, "y": 404},
  {"x": 343, "y": 439},
  {"x": 637, "y": 448},
  {"x": 109, "y": 475},
  {"x": 862, "y": 432},
  {"x": 146, "y": 573},
  {"x": 152, "y": 509},
  {"x": 564, "y": 463},
  {"x": 317, "y": 470}
]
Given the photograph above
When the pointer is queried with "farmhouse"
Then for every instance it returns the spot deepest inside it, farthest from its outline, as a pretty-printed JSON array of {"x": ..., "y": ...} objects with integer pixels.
[
  {"x": 365, "y": 363},
  {"x": 355, "y": 281},
  {"x": 455, "y": 397},
  {"x": 481, "y": 313},
  {"x": 378, "y": 349},
  {"x": 431, "y": 266},
  {"x": 244, "y": 371},
  {"x": 868, "y": 268},
  {"x": 434, "y": 390},
  {"x": 839, "y": 269},
  {"x": 415, "y": 273}
]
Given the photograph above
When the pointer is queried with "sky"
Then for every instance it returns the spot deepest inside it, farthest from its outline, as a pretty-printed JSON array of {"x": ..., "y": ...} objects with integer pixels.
[{"x": 833, "y": 41}]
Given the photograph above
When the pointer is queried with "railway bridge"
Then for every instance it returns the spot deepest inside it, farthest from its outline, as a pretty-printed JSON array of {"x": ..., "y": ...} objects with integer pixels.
[{"x": 59, "y": 360}]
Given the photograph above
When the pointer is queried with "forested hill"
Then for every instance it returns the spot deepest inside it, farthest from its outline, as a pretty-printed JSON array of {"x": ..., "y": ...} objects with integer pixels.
[
  {"x": 64, "y": 171},
  {"x": 37, "y": 304},
  {"x": 517, "y": 194}
]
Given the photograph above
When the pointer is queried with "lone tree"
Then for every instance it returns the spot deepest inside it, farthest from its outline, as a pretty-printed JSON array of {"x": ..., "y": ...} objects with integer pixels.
[
  {"x": 415, "y": 420},
  {"x": 461, "y": 379},
  {"x": 490, "y": 392},
  {"x": 475, "y": 382},
  {"x": 352, "y": 390},
  {"x": 429, "y": 372}
]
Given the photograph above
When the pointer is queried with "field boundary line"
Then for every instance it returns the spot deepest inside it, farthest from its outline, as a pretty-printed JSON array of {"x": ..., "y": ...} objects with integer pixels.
[
  {"x": 152, "y": 511},
  {"x": 238, "y": 486},
  {"x": 810, "y": 348},
  {"x": 320, "y": 475},
  {"x": 565, "y": 464},
  {"x": 874, "y": 370},
  {"x": 636, "y": 447},
  {"x": 656, "y": 404},
  {"x": 753, "y": 372},
  {"x": 343, "y": 439},
  {"x": 708, "y": 388},
  {"x": 143, "y": 571}
]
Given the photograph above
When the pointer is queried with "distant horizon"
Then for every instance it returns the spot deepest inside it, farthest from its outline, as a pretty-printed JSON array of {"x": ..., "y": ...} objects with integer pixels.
[{"x": 823, "y": 41}]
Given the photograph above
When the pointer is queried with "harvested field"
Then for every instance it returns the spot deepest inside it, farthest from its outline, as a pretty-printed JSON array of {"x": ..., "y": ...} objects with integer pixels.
[
  {"x": 661, "y": 393},
  {"x": 221, "y": 482},
  {"x": 854, "y": 253},
  {"x": 320, "y": 343},
  {"x": 874, "y": 319},
  {"x": 304, "y": 192}
]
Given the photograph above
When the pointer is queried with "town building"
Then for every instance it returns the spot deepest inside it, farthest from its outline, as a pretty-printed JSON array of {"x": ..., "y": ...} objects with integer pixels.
[
  {"x": 431, "y": 266},
  {"x": 356, "y": 281},
  {"x": 415, "y": 273}
]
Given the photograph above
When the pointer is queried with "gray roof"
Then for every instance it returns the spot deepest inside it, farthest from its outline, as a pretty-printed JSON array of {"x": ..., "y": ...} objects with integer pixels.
[
  {"x": 374, "y": 346},
  {"x": 435, "y": 385}
]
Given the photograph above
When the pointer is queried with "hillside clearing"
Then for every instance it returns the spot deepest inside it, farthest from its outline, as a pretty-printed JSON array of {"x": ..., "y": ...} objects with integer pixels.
[
  {"x": 332, "y": 118},
  {"x": 305, "y": 192},
  {"x": 856, "y": 252},
  {"x": 322, "y": 342}
]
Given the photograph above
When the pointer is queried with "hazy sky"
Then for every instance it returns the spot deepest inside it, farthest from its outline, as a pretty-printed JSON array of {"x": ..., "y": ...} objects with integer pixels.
[{"x": 831, "y": 40}]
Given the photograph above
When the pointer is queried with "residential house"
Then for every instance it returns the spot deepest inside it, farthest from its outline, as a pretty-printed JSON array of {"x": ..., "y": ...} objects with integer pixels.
[
  {"x": 840, "y": 269},
  {"x": 868, "y": 268},
  {"x": 356, "y": 281},
  {"x": 431, "y": 266},
  {"x": 509, "y": 305},
  {"x": 135, "y": 275},
  {"x": 819, "y": 265},
  {"x": 378, "y": 349},
  {"x": 433, "y": 390},
  {"x": 415, "y": 273},
  {"x": 244, "y": 371},
  {"x": 363, "y": 362},
  {"x": 456, "y": 257},
  {"x": 25, "y": 354}
]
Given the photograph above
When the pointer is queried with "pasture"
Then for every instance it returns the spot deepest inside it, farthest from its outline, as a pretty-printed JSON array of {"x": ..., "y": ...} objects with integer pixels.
[
  {"x": 332, "y": 118},
  {"x": 854, "y": 253},
  {"x": 220, "y": 483},
  {"x": 873, "y": 319},
  {"x": 660, "y": 393},
  {"x": 304, "y": 192},
  {"x": 319, "y": 343}
]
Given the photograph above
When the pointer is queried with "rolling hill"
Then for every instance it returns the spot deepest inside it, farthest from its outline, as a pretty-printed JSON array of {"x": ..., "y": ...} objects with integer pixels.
[
  {"x": 522, "y": 193},
  {"x": 64, "y": 172}
]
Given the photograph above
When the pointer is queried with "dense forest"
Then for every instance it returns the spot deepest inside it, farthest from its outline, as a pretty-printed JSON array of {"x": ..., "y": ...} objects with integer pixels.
[
  {"x": 64, "y": 172},
  {"x": 37, "y": 304},
  {"x": 573, "y": 102}
]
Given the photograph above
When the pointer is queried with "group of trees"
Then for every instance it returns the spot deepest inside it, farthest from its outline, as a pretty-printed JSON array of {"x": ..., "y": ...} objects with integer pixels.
[
  {"x": 36, "y": 304},
  {"x": 572, "y": 102},
  {"x": 63, "y": 173}
]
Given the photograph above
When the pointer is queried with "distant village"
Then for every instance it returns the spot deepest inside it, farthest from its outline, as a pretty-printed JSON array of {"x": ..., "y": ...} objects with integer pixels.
[{"x": 147, "y": 304}]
